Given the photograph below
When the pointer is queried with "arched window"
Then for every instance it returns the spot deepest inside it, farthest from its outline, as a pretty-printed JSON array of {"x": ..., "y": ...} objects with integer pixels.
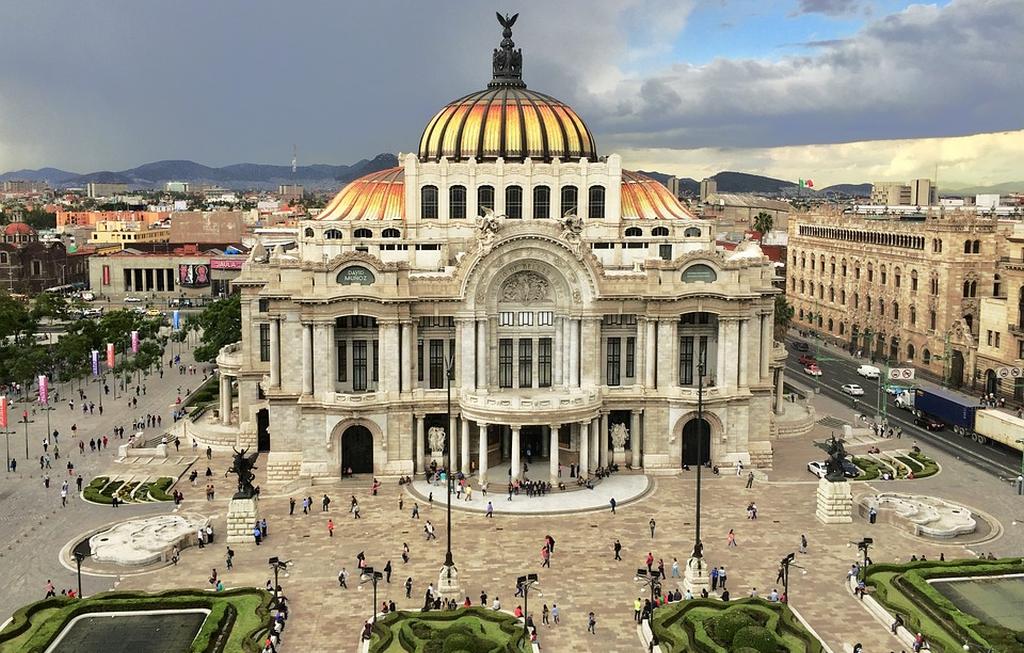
[
  {"x": 856, "y": 271},
  {"x": 428, "y": 202},
  {"x": 457, "y": 202},
  {"x": 897, "y": 277},
  {"x": 792, "y": 281},
  {"x": 910, "y": 352},
  {"x": 856, "y": 300},
  {"x": 967, "y": 247},
  {"x": 514, "y": 202},
  {"x": 4, "y": 258},
  {"x": 634, "y": 232},
  {"x": 926, "y": 356},
  {"x": 842, "y": 328},
  {"x": 391, "y": 233},
  {"x": 308, "y": 232},
  {"x": 885, "y": 275},
  {"x": 913, "y": 316},
  {"x": 595, "y": 208},
  {"x": 1020, "y": 308},
  {"x": 976, "y": 249},
  {"x": 570, "y": 200},
  {"x": 821, "y": 291},
  {"x": 871, "y": 273},
  {"x": 663, "y": 231},
  {"x": 802, "y": 290},
  {"x": 969, "y": 319},
  {"x": 895, "y": 311},
  {"x": 967, "y": 288},
  {"x": 844, "y": 267},
  {"x": 913, "y": 281},
  {"x": 842, "y": 297},
  {"x": 830, "y": 325},
  {"x": 881, "y": 307},
  {"x": 334, "y": 234},
  {"x": 694, "y": 232},
  {"x": 541, "y": 202},
  {"x": 931, "y": 320},
  {"x": 699, "y": 272},
  {"x": 484, "y": 199},
  {"x": 997, "y": 287},
  {"x": 803, "y": 260},
  {"x": 362, "y": 233},
  {"x": 832, "y": 294},
  {"x": 832, "y": 266}
]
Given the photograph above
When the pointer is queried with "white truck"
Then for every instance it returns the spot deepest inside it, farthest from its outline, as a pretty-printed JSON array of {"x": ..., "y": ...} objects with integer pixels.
[
  {"x": 998, "y": 426},
  {"x": 905, "y": 400}
]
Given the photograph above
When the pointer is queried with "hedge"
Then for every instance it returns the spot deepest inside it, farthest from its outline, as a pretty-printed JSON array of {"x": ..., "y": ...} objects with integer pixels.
[
  {"x": 868, "y": 466},
  {"x": 704, "y": 625},
  {"x": 34, "y": 627},
  {"x": 474, "y": 630},
  {"x": 158, "y": 490}
]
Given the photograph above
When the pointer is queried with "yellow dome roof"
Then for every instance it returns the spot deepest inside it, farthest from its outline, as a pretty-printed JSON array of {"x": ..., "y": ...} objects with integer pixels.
[{"x": 376, "y": 196}]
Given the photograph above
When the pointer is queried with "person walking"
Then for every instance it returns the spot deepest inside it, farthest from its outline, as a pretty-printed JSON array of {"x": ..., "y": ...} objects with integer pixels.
[
  {"x": 291, "y": 506},
  {"x": 229, "y": 558},
  {"x": 675, "y": 568},
  {"x": 730, "y": 539},
  {"x": 714, "y": 578},
  {"x": 415, "y": 510},
  {"x": 637, "y": 607},
  {"x": 325, "y": 504},
  {"x": 554, "y": 613},
  {"x": 650, "y": 563},
  {"x": 408, "y": 587},
  {"x": 387, "y": 572},
  {"x": 490, "y": 510},
  {"x": 722, "y": 577},
  {"x": 405, "y": 553},
  {"x": 612, "y": 503},
  {"x": 544, "y": 615},
  {"x": 750, "y": 480},
  {"x": 343, "y": 578},
  {"x": 618, "y": 550},
  {"x": 592, "y": 624},
  {"x": 803, "y": 543},
  {"x": 652, "y": 524},
  {"x": 545, "y": 556},
  {"x": 330, "y": 528}
]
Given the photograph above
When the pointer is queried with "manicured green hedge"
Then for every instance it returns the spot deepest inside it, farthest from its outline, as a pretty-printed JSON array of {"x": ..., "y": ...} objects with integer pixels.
[
  {"x": 158, "y": 490},
  {"x": 904, "y": 589},
  {"x": 925, "y": 466},
  {"x": 713, "y": 626},
  {"x": 34, "y": 627},
  {"x": 869, "y": 467},
  {"x": 470, "y": 630}
]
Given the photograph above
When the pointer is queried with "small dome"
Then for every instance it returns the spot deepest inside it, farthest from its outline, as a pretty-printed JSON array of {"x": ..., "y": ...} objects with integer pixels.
[
  {"x": 645, "y": 198},
  {"x": 376, "y": 196},
  {"x": 19, "y": 229}
]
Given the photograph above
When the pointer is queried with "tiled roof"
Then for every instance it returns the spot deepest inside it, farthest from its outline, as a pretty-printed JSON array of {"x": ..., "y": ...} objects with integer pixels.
[
  {"x": 645, "y": 198},
  {"x": 377, "y": 196}
]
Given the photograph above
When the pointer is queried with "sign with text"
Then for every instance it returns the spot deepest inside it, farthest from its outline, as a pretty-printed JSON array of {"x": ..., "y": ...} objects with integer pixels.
[
  {"x": 356, "y": 275},
  {"x": 901, "y": 373},
  {"x": 227, "y": 263}
]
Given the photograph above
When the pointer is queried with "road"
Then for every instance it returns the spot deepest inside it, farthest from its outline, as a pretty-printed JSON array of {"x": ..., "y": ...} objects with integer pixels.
[{"x": 839, "y": 368}]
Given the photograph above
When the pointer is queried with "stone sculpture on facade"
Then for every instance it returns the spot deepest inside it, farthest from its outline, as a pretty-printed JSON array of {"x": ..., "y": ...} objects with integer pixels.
[
  {"x": 572, "y": 232},
  {"x": 620, "y": 433},
  {"x": 487, "y": 227},
  {"x": 436, "y": 438},
  {"x": 525, "y": 288}
]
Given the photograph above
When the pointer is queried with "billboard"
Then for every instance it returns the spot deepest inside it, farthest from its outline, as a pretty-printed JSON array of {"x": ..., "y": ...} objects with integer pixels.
[
  {"x": 193, "y": 275},
  {"x": 227, "y": 263}
]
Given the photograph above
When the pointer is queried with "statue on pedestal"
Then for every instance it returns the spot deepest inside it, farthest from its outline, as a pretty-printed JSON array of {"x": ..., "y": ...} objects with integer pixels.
[
  {"x": 836, "y": 455},
  {"x": 242, "y": 466}
]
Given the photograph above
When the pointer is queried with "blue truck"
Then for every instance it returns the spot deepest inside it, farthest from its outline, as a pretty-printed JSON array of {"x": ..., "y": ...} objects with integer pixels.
[{"x": 947, "y": 407}]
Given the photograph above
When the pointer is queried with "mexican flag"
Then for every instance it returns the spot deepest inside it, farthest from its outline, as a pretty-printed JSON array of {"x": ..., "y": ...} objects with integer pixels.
[{"x": 806, "y": 183}]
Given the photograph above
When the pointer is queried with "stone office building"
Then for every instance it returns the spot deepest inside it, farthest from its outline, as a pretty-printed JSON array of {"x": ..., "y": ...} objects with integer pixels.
[{"x": 574, "y": 301}]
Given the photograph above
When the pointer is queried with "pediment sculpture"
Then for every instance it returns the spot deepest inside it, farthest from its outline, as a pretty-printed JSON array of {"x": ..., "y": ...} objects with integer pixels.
[
  {"x": 526, "y": 288},
  {"x": 619, "y": 434},
  {"x": 572, "y": 232},
  {"x": 436, "y": 437},
  {"x": 487, "y": 227}
]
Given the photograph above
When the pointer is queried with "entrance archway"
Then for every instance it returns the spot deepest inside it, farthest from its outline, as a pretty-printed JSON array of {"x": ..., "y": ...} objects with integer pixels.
[
  {"x": 692, "y": 430},
  {"x": 357, "y": 450},
  {"x": 991, "y": 382},
  {"x": 956, "y": 369},
  {"x": 263, "y": 430}
]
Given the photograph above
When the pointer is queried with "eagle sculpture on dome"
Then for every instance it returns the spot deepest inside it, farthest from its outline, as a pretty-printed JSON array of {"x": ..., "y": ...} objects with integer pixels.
[{"x": 507, "y": 61}]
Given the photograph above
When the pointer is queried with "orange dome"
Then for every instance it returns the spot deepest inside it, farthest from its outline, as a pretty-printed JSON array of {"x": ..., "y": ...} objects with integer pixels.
[
  {"x": 508, "y": 122},
  {"x": 19, "y": 228},
  {"x": 376, "y": 196},
  {"x": 645, "y": 198}
]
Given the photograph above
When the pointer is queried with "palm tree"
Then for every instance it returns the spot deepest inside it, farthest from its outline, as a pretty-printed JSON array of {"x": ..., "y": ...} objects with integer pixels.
[
  {"x": 783, "y": 315},
  {"x": 763, "y": 222}
]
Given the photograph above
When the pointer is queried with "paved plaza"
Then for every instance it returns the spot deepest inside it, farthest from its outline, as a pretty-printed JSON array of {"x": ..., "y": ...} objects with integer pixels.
[{"x": 491, "y": 553}]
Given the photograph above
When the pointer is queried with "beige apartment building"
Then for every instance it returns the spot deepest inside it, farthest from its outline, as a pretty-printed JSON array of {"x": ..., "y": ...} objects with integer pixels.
[
  {"x": 1001, "y": 332},
  {"x": 126, "y": 234},
  {"x": 906, "y": 291}
]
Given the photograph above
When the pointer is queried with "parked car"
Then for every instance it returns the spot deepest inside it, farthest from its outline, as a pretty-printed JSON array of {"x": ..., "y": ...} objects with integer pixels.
[
  {"x": 853, "y": 390},
  {"x": 929, "y": 423},
  {"x": 87, "y": 296},
  {"x": 807, "y": 360},
  {"x": 817, "y": 468},
  {"x": 153, "y": 313},
  {"x": 869, "y": 371},
  {"x": 801, "y": 346},
  {"x": 849, "y": 469},
  {"x": 132, "y": 300},
  {"x": 812, "y": 369},
  {"x": 93, "y": 312}
]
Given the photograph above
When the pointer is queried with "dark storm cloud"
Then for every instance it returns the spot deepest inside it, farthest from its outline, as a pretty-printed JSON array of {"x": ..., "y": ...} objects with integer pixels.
[{"x": 827, "y": 7}]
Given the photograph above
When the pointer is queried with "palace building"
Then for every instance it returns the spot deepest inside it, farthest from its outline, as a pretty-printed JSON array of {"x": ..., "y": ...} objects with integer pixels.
[{"x": 578, "y": 305}]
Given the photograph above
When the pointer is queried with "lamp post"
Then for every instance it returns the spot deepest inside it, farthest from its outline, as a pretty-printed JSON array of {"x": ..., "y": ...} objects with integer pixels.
[
  {"x": 277, "y": 565},
  {"x": 652, "y": 580},
  {"x": 371, "y": 576},
  {"x": 695, "y": 579},
  {"x": 448, "y": 581},
  {"x": 1020, "y": 479},
  {"x": 526, "y": 582},
  {"x": 784, "y": 575},
  {"x": 863, "y": 546},
  {"x": 79, "y": 557},
  {"x": 26, "y": 421}
]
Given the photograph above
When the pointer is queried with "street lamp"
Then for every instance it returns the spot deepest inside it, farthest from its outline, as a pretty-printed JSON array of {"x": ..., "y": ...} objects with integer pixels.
[
  {"x": 696, "y": 562},
  {"x": 526, "y": 582},
  {"x": 1020, "y": 479},
  {"x": 277, "y": 565},
  {"x": 784, "y": 575},
  {"x": 26, "y": 421},
  {"x": 863, "y": 546},
  {"x": 652, "y": 580},
  {"x": 79, "y": 557},
  {"x": 371, "y": 576},
  {"x": 447, "y": 583}
]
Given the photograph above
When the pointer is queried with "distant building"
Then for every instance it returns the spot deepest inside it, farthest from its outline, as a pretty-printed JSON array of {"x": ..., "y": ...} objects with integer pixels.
[
  {"x": 207, "y": 228},
  {"x": 708, "y": 187},
  {"x": 737, "y": 212},
  {"x": 290, "y": 192},
  {"x": 176, "y": 187},
  {"x": 109, "y": 232},
  {"x": 987, "y": 200},
  {"x": 94, "y": 189},
  {"x": 30, "y": 265},
  {"x": 92, "y": 218},
  {"x": 187, "y": 272},
  {"x": 923, "y": 193},
  {"x": 21, "y": 186},
  {"x": 890, "y": 193}
]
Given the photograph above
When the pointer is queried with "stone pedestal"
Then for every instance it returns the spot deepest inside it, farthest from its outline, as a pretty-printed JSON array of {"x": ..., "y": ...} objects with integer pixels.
[
  {"x": 438, "y": 457},
  {"x": 696, "y": 576},
  {"x": 448, "y": 584},
  {"x": 835, "y": 502},
  {"x": 242, "y": 514},
  {"x": 619, "y": 456}
]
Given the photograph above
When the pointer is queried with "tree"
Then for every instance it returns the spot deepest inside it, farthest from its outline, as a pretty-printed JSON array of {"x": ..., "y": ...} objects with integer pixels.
[
  {"x": 783, "y": 315},
  {"x": 763, "y": 222},
  {"x": 219, "y": 324}
]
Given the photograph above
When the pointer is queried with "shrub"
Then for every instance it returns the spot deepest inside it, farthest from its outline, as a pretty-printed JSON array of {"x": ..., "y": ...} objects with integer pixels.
[
  {"x": 756, "y": 637},
  {"x": 158, "y": 491},
  {"x": 724, "y": 627}
]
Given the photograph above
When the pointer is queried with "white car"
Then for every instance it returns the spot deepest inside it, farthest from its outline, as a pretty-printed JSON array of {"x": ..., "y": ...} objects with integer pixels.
[
  {"x": 869, "y": 371},
  {"x": 817, "y": 468},
  {"x": 853, "y": 390},
  {"x": 132, "y": 300},
  {"x": 812, "y": 370}
]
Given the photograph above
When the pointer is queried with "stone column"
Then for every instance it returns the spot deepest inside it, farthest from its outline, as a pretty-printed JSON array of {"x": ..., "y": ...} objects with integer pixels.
[
  {"x": 481, "y": 353},
  {"x": 634, "y": 438},
  {"x": 566, "y": 352},
  {"x": 467, "y": 342},
  {"x": 553, "y": 454},
  {"x": 225, "y": 399},
  {"x": 388, "y": 334},
  {"x": 595, "y": 442},
  {"x": 517, "y": 467},
  {"x": 405, "y": 368},
  {"x": 584, "y": 448},
  {"x": 602, "y": 439},
  {"x": 650, "y": 354},
  {"x": 325, "y": 352},
  {"x": 453, "y": 443},
  {"x": 732, "y": 352},
  {"x": 590, "y": 352},
  {"x": 779, "y": 384},
  {"x": 464, "y": 439},
  {"x": 743, "y": 337},
  {"x": 766, "y": 346},
  {"x": 482, "y": 471},
  {"x": 668, "y": 362},
  {"x": 307, "y": 358},
  {"x": 574, "y": 353},
  {"x": 556, "y": 351},
  {"x": 640, "y": 368},
  {"x": 275, "y": 353},
  {"x": 417, "y": 456}
]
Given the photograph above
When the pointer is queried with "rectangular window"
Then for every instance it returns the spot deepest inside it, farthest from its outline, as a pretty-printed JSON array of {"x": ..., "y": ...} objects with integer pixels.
[
  {"x": 665, "y": 252},
  {"x": 484, "y": 199},
  {"x": 544, "y": 363},
  {"x": 264, "y": 305},
  {"x": 376, "y": 361},
  {"x": 436, "y": 363},
  {"x": 541, "y": 202},
  {"x": 997, "y": 338},
  {"x": 526, "y": 319},
  {"x": 359, "y": 365},
  {"x": 342, "y": 361},
  {"x": 505, "y": 363},
  {"x": 264, "y": 342},
  {"x": 419, "y": 360},
  {"x": 506, "y": 318},
  {"x": 545, "y": 318},
  {"x": 686, "y": 360},
  {"x": 457, "y": 202},
  {"x": 630, "y": 358},
  {"x": 614, "y": 359},
  {"x": 514, "y": 202},
  {"x": 1020, "y": 349},
  {"x": 428, "y": 203},
  {"x": 525, "y": 363},
  {"x": 570, "y": 200},
  {"x": 596, "y": 202}
]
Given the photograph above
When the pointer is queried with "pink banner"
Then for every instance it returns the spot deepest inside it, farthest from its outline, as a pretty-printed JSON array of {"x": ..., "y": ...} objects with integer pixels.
[
  {"x": 135, "y": 342},
  {"x": 44, "y": 390},
  {"x": 110, "y": 355},
  {"x": 3, "y": 411}
]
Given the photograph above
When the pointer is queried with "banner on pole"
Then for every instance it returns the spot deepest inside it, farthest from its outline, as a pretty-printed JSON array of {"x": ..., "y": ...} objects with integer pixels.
[
  {"x": 95, "y": 363},
  {"x": 3, "y": 411},
  {"x": 44, "y": 390},
  {"x": 135, "y": 342},
  {"x": 110, "y": 355},
  {"x": 176, "y": 319}
]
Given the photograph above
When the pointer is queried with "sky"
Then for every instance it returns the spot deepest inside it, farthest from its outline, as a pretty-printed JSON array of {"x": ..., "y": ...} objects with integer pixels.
[{"x": 834, "y": 90}]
